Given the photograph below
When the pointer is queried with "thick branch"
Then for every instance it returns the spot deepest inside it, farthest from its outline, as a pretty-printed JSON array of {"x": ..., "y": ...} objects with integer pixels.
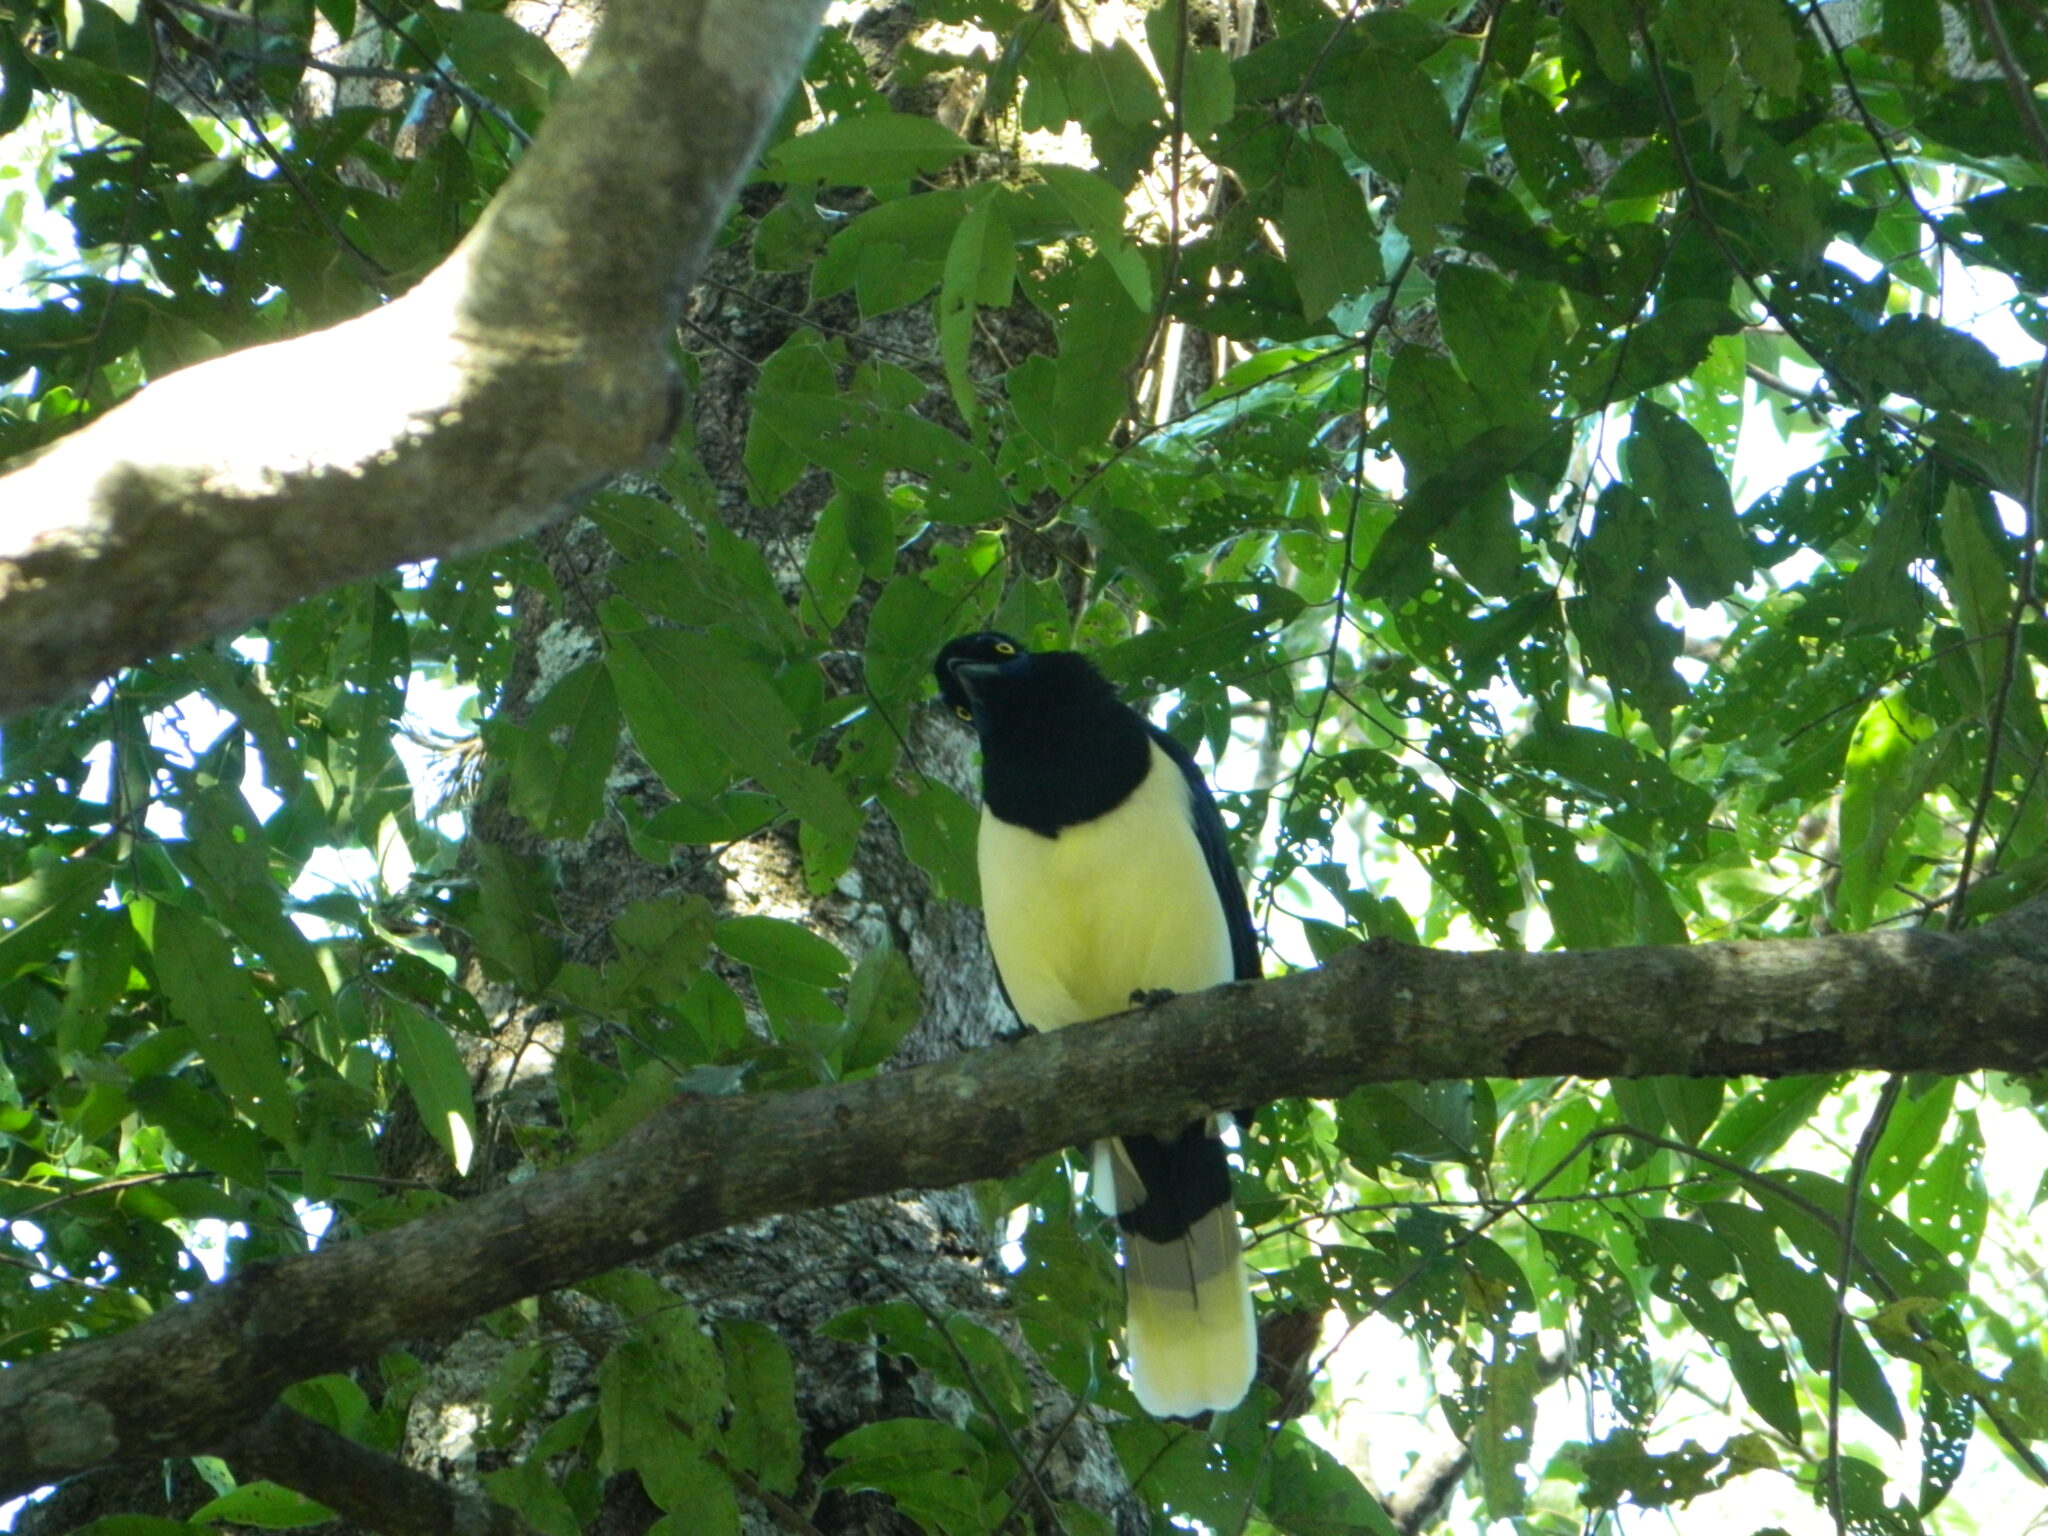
[
  {"x": 527, "y": 368},
  {"x": 189, "y": 1377}
]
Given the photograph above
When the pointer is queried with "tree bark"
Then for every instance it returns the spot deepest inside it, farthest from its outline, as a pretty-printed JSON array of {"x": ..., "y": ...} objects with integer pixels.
[
  {"x": 525, "y": 370},
  {"x": 1916, "y": 1001}
]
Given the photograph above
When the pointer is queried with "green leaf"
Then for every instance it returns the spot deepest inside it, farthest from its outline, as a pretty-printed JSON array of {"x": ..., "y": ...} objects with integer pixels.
[
  {"x": 1918, "y": 356},
  {"x": 102, "y": 962},
  {"x": 1882, "y": 782},
  {"x": 1948, "y": 1420},
  {"x": 227, "y": 856},
  {"x": 1397, "y": 121},
  {"x": 866, "y": 151},
  {"x": 882, "y": 1007},
  {"x": 1415, "y": 1124},
  {"x": 1977, "y": 583},
  {"x": 200, "y": 1126},
  {"x": 659, "y": 1397},
  {"x": 264, "y": 1505},
  {"x": 517, "y": 1393},
  {"x": 1689, "y": 1260},
  {"x": 1333, "y": 252},
  {"x": 861, "y": 442},
  {"x": 1547, "y": 160},
  {"x": 1586, "y": 907},
  {"x": 1698, "y": 540},
  {"x": 1212, "y": 634},
  {"x": 764, "y": 1436},
  {"x": 1726, "y": 43},
  {"x": 798, "y": 367},
  {"x": 1312, "y": 1492},
  {"x": 933, "y": 1471},
  {"x": 1208, "y": 91},
  {"x": 910, "y": 621},
  {"x": 1671, "y": 344},
  {"x": 1073, "y": 404},
  {"x": 1399, "y": 563},
  {"x": 1500, "y": 333},
  {"x": 1805, "y": 1298},
  {"x": 701, "y": 1502},
  {"x": 128, "y": 108},
  {"x": 436, "y": 1076},
  {"x": 565, "y": 754},
  {"x": 1879, "y": 593},
  {"x": 513, "y": 925},
  {"x": 1097, "y": 209},
  {"x": 503, "y": 60},
  {"x": 1619, "y": 1470},
  {"x": 2012, "y": 221},
  {"x": 724, "y": 818},
  {"x": 1506, "y": 1424},
  {"x": 660, "y": 946},
  {"x": 1611, "y": 26},
  {"x": 42, "y": 911},
  {"x": 674, "y": 682},
  {"x": 1947, "y": 1202},
  {"x": 1616, "y": 619},
  {"x": 939, "y": 829},
  {"x": 1917, "y": 1120},
  {"x": 980, "y": 270},
  {"x": 895, "y": 252},
  {"x": 527, "y": 1488},
  {"x": 211, "y": 994},
  {"x": 832, "y": 572},
  {"x": 18, "y": 82},
  {"x": 1863, "y": 1502},
  {"x": 1110, "y": 87},
  {"x": 782, "y": 948},
  {"x": 1764, "y": 1119}
]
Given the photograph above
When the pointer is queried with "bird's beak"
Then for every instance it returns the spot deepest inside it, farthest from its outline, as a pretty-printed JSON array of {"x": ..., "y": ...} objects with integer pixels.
[{"x": 968, "y": 673}]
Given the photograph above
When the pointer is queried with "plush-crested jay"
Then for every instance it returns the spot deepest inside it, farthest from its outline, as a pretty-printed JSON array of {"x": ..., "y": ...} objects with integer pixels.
[{"x": 1105, "y": 877}]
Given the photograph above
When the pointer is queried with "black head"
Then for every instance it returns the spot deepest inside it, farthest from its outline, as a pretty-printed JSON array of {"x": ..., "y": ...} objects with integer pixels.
[
  {"x": 1057, "y": 745},
  {"x": 977, "y": 662}
]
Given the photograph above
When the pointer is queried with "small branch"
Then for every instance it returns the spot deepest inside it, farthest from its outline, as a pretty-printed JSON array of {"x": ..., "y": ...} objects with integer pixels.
[{"x": 419, "y": 79}]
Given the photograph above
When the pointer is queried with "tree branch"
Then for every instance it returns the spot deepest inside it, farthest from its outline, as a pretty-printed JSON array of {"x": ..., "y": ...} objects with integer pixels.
[
  {"x": 375, "y": 1491},
  {"x": 528, "y": 367},
  {"x": 190, "y": 1376}
]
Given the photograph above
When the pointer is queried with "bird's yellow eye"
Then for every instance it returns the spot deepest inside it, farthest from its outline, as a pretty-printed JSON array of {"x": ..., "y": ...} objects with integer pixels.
[
  {"x": 963, "y": 711},
  {"x": 1004, "y": 648}
]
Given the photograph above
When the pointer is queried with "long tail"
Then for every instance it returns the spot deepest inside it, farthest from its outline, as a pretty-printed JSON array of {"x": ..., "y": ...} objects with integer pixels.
[{"x": 1191, "y": 1341}]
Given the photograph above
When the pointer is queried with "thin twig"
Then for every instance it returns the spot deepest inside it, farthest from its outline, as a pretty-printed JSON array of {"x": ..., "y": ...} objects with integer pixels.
[
  {"x": 1852, "y": 1202},
  {"x": 2017, "y": 86},
  {"x": 227, "y": 17}
]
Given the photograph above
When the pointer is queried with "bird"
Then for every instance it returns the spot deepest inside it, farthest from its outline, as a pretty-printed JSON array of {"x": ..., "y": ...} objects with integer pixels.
[{"x": 1106, "y": 880}]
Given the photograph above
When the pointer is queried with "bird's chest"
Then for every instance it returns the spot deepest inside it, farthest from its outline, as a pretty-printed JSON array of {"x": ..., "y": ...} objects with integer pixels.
[{"x": 1120, "y": 904}]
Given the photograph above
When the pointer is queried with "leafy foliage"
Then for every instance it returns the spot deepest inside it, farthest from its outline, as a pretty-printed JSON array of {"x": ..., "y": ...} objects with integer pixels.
[{"x": 1544, "y": 455}]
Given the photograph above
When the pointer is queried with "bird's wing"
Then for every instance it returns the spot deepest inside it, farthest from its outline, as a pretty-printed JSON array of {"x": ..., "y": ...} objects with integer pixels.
[{"x": 1215, "y": 842}]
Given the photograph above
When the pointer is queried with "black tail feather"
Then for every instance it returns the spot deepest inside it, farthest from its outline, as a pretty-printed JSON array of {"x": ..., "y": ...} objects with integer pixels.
[{"x": 1185, "y": 1178}]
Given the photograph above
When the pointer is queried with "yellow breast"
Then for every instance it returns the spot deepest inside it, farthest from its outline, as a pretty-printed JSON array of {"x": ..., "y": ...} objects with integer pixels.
[{"x": 1121, "y": 904}]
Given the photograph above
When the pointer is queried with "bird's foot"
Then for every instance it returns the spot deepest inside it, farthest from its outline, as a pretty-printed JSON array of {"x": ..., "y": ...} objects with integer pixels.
[
  {"x": 1015, "y": 1032},
  {"x": 1151, "y": 997}
]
